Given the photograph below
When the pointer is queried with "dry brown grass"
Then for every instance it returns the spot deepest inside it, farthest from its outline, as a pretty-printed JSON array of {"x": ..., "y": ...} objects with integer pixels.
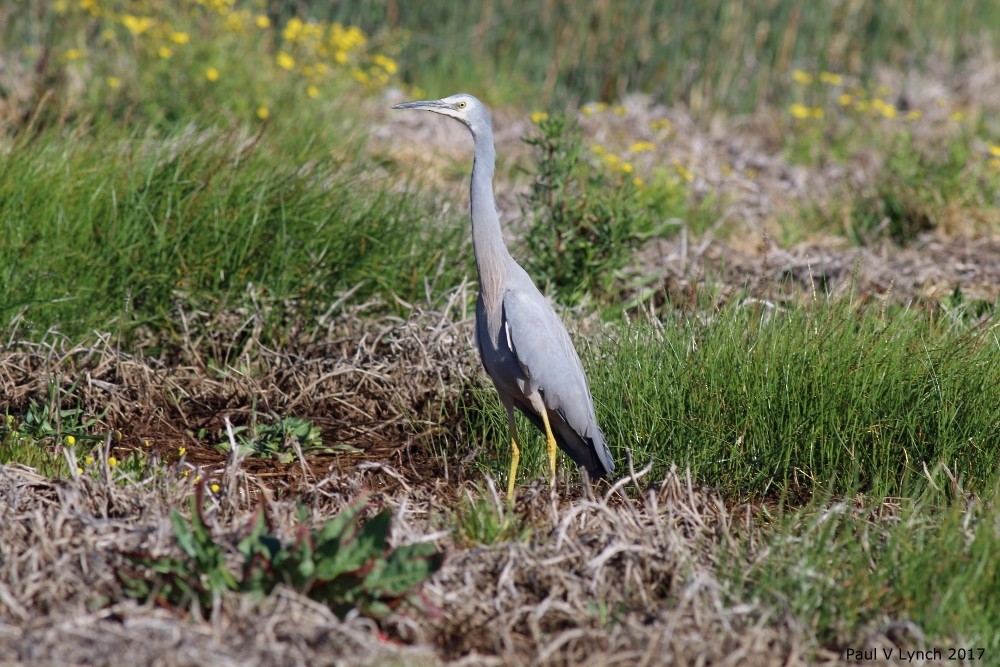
[{"x": 603, "y": 581}]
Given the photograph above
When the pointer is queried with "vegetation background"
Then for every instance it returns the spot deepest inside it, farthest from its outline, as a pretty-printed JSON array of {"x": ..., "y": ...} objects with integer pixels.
[{"x": 232, "y": 280}]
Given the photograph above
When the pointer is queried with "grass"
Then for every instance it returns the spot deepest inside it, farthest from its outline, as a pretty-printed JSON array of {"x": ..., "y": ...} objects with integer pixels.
[
  {"x": 706, "y": 55},
  {"x": 761, "y": 402},
  {"x": 108, "y": 232},
  {"x": 864, "y": 436},
  {"x": 839, "y": 566}
]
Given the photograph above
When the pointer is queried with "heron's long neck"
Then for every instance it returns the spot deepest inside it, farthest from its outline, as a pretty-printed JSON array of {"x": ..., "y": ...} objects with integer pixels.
[{"x": 492, "y": 259}]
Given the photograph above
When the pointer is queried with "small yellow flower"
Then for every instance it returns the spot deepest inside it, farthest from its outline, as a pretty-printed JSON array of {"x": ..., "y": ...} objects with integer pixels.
[
  {"x": 212, "y": 74},
  {"x": 597, "y": 149},
  {"x": 285, "y": 61},
  {"x": 197, "y": 478},
  {"x": 112, "y": 462},
  {"x": 884, "y": 108},
  {"x": 539, "y": 117},
  {"x": 312, "y": 91},
  {"x": 182, "y": 451},
  {"x": 642, "y": 146},
  {"x": 386, "y": 63},
  {"x": 74, "y": 54},
  {"x": 830, "y": 78},
  {"x": 802, "y": 77},
  {"x": 914, "y": 114},
  {"x": 263, "y": 113},
  {"x": 612, "y": 159},
  {"x": 262, "y": 21},
  {"x": 799, "y": 110},
  {"x": 180, "y": 37},
  {"x": 360, "y": 76},
  {"x": 993, "y": 149},
  {"x": 638, "y": 182},
  {"x": 845, "y": 100},
  {"x": 994, "y": 163},
  {"x": 816, "y": 112},
  {"x": 862, "y": 106},
  {"x": 70, "y": 440},
  {"x": 137, "y": 25},
  {"x": 79, "y": 470},
  {"x": 957, "y": 116},
  {"x": 340, "y": 56},
  {"x": 114, "y": 83},
  {"x": 627, "y": 167},
  {"x": 214, "y": 487},
  {"x": 89, "y": 460},
  {"x": 187, "y": 473},
  {"x": 593, "y": 107},
  {"x": 164, "y": 52},
  {"x": 683, "y": 171}
]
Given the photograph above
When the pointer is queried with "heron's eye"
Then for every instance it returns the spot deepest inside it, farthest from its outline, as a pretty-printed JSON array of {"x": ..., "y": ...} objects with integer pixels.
[{"x": 461, "y": 105}]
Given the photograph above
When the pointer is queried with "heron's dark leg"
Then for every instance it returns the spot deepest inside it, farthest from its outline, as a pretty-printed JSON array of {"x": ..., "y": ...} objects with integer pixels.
[{"x": 515, "y": 453}]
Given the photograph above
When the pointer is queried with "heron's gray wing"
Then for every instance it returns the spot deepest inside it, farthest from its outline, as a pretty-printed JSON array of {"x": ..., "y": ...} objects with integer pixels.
[{"x": 546, "y": 355}]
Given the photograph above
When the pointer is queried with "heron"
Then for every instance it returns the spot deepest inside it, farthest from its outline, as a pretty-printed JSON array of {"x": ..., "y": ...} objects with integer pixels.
[{"x": 522, "y": 343}]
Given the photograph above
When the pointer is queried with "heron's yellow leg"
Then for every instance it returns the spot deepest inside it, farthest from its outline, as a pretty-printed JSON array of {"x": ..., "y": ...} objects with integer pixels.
[
  {"x": 515, "y": 458},
  {"x": 515, "y": 455},
  {"x": 550, "y": 442}
]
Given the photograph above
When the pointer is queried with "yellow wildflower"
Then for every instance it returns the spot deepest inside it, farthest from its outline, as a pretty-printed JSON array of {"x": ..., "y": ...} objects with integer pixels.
[
  {"x": 539, "y": 117},
  {"x": 214, "y": 487},
  {"x": 89, "y": 460},
  {"x": 312, "y": 91},
  {"x": 802, "y": 77},
  {"x": 386, "y": 63},
  {"x": 612, "y": 159},
  {"x": 262, "y": 21},
  {"x": 263, "y": 113},
  {"x": 90, "y": 6},
  {"x": 642, "y": 146},
  {"x": 957, "y": 116},
  {"x": 164, "y": 52},
  {"x": 993, "y": 149},
  {"x": 79, "y": 470},
  {"x": 112, "y": 462},
  {"x": 831, "y": 78},
  {"x": 884, "y": 108},
  {"x": 597, "y": 149},
  {"x": 70, "y": 440},
  {"x": 799, "y": 110},
  {"x": 137, "y": 25},
  {"x": 360, "y": 76},
  {"x": 627, "y": 167},
  {"x": 285, "y": 61},
  {"x": 211, "y": 74},
  {"x": 340, "y": 56},
  {"x": 845, "y": 100},
  {"x": 683, "y": 171},
  {"x": 74, "y": 54},
  {"x": 293, "y": 30},
  {"x": 180, "y": 37},
  {"x": 638, "y": 182},
  {"x": 114, "y": 82}
]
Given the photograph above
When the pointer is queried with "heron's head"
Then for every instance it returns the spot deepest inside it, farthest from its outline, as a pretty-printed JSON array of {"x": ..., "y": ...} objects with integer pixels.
[{"x": 462, "y": 107}]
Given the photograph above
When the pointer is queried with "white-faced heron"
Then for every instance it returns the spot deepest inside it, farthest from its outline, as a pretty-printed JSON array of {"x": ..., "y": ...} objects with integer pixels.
[{"x": 523, "y": 344}]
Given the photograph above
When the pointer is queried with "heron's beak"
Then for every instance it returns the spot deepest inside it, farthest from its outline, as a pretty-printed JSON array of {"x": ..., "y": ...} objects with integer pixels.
[{"x": 435, "y": 105}]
